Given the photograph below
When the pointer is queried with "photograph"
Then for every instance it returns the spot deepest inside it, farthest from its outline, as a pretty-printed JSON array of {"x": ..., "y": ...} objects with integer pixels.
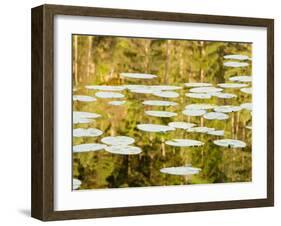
[{"x": 160, "y": 112}]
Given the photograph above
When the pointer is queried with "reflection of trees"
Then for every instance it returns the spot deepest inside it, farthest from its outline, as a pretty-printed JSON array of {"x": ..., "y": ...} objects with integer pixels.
[{"x": 100, "y": 60}]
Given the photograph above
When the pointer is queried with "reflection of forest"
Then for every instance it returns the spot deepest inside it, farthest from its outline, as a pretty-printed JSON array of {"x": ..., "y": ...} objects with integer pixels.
[{"x": 100, "y": 60}]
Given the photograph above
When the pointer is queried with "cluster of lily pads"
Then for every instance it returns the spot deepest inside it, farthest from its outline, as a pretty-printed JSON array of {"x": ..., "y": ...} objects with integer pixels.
[{"x": 124, "y": 145}]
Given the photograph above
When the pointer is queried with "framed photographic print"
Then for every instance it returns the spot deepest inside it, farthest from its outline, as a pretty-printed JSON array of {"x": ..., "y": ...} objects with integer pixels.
[{"x": 141, "y": 112}]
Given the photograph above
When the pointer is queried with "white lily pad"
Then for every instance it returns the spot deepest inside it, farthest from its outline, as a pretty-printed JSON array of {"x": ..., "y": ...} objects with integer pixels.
[
  {"x": 166, "y": 94},
  {"x": 106, "y": 88},
  {"x": 165, "y": 87},
  {"x": 205, "y": 90},
  {"x": 117, "y": 102},
  {"x": 83, "y": 98},
  {"x": 235, "y": 64},
  {"x": 197, "y": 84},
  {"x": 109, "y": 95},
  {"x": 232, "y": 85},
  {"x": 184, "y": 143},
  {"x": 200, "y": 106},
  {"x": 201, "y": 129},
  {"x": 193, "y": 112},
  {"x": 82, "y": 120},
  {"x": 247, "y": 90},
  {"x": 215, "y": 116},
  {"x": 159, "y": 103},
  {"x": 84, "y": 117},
  {"x": 247, "y": 106},
  {"x": 227, "y": 109},
  {"x": 118, "y": 140},
  {"x": 181, "y": 170},
  {"x": 224, "y": 95},
  {"x": 143, "y": 91},
  {"x": 154, "y": 128},
  {"x": 216, "y": 132},
  {"x": 76, "y": 183},
  {"x": 123, "y": 150},
  {"x": 199, "y": 95},
  {"x": 161, "y": 114},
  {"x": 91, "y": 132},
  {"x": 242, "y": 78},
  {"x": 181, "y": 125},
  {"x": 230, "y": 143},
  {"x": 138, "y": 75},
  {"x": 88, "y": 147},
  {"x": 236, "y": 57}
]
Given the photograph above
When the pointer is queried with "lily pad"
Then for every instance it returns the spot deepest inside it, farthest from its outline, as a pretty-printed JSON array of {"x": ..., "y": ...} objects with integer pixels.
[
  {"x": 106, "y": 88},
  {"x": 184, "y": 143},
  {"x": 200, "y": 129},
  {"x": 88, "y": 147},
  {"x": 159, "y": 103},
  {"x": 154, "y": 128},
  {"x": 215, "y": 116},
  {"x": 232, "y": 85},
  {"x": 235, "y": 64},
  {"x": 227, "y": 108},
  {"x": 83, "y": 98},
  {"x": 193, "y": 112},
  {"x": 138, "y": 75},
  {"x": 224, "y": 95},
  {"x": 76, "y": 183},
  {"x": 181, "y": 125},
  {"x": 123, "y": 150},
  {"x": 166, "y": 94},
  {"x": 117, "y": 102},
  {"x": 181, "y": 170},
  {"x": 143, "y": 90},
  {"x": 87, "y": 132},
  {"x": 230, "y": 143},
  {"x": 84, "y": 117},
  {"x": 243, "y": 78},
  {"x": 200, "y": 106},
  {"x": 118, "y": 140},
  {"x": 199, "y": 95},
  {"x": 236, "y": 57},
  {"x": 109, "y": 95},
  {"x": 161, "y": 114},
  {"x": 197, "y": 84},
  {"x": 165, "y": 87},
  {"x": 247, "y": 106},
  {"x": 247, "y": 90},
  {"x": 205, "y": 90},
  {"x": 216, "y": 132}
]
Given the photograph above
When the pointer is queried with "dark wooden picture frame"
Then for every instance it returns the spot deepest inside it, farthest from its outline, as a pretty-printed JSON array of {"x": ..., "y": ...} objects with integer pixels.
[{"x": 42, "y": 203}]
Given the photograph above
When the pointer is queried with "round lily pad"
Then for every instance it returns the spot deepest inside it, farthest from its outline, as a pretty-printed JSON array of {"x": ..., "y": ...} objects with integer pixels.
[
  {"x": 230, "y": 143},
  {"x": 197, "y": 84},
  {"x": 224, "y": 95},
  {"x": 227, "y": 108},
  {"x": 83, "y": 98},
  {"x": 138, "y": 75},
  {"x": 205, "y": 90},
  {"x": 184, "y": 143},
  {"x": 118, "y": 140},
  {"x": 88, "y": 147},
  {"x": 165, "y": 87},
  {"x": 161, "y": 114},
  {"x": 199, "y": 95},
  {"x": 109, "y": 95},
  {"x": 242, "y": 78},
  {"x": 87, "y": 132},
  {"x": 232, "y": 85},
  {"x": 106, "y": 88},
  {"x": 159, "y": 103},
  {"x": 181, "y": 170},
  {"x": 123, "y": 150},
  {"x": 117, "y": 102},
  {"x": 193, "y": 112},
  {"x": 166, "y": 94},
  {"x": 76, "y": 183},
  {"x": 236, "y": 57},
  {"x": 200, "y": 106},
  {"x": 216, "y": 132},
  {"x": 235, "y": 64},
  {"x": 247, "y": 106},
  {"x": 154, "y": 128},
  {"x": 201, "y": 129},
  {"x": 247, "y": 90},
  {"x": 215, "y": 116},
  {"x": 84, "y": 117},
  {"x": 181, "y": 125}
]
